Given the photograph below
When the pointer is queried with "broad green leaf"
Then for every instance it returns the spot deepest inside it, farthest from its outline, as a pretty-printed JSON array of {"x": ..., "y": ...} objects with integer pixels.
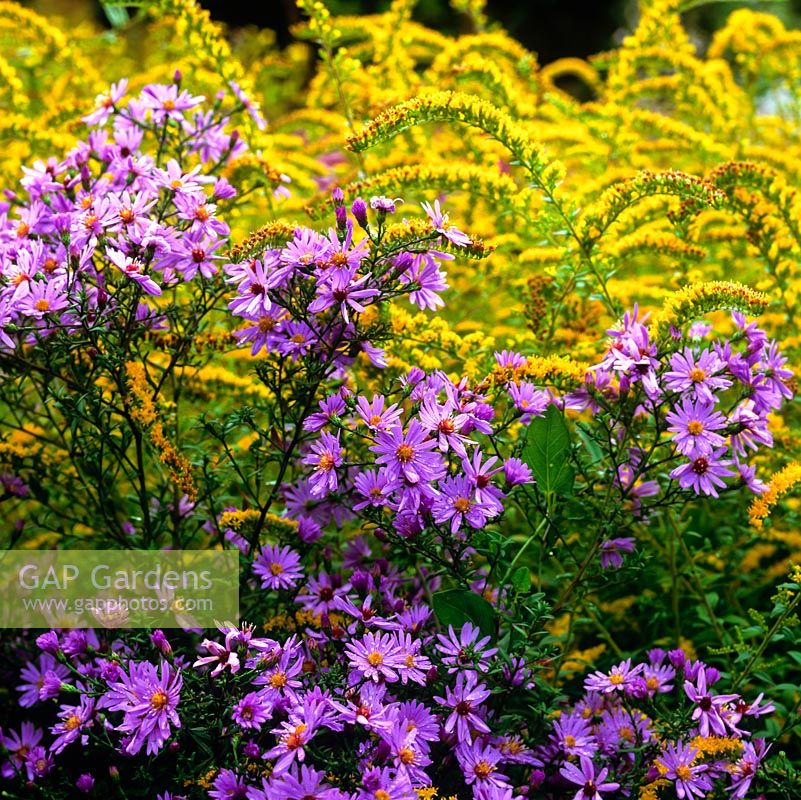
[
  {"x": 521, "y": 579},
  {"x": 457, "y": 606},
  {"x": 547, "y": 452}
]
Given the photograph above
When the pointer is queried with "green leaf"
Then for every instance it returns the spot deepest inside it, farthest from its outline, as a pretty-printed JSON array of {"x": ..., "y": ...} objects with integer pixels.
[
  {"x": 521, "y": 579},
  {"x": 547, "y": 452},
  {"x": 457, "y": 606}
]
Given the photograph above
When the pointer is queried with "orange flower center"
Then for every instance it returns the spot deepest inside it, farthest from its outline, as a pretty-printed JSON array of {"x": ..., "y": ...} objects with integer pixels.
[
  {"x": 405, "y": 453},
  {"x": 158, "y": 700},
  {"x": 695, "y": 427},
  {"x": 375, "y": 658}
]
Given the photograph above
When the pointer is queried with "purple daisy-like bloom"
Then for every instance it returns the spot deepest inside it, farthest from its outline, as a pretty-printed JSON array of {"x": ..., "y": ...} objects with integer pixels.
[
  {"x": 479, "y": 764},
  {"x": 278, "y": 567},
  {"x": 302, "y": 783},
  {"x": 744, "y": 770},
  {"x": 697, "y": 376},
  {"x": 331, "y": 408},
  {"x": 465, "y": 698},
  {"x": 17, "y": 745},
  {"x": 516, "y": 472},
  {"x": 408, "y": 454},
  {"x": 33, "y": 676},
  {"x": 325, "y": 457},
  {"x": 440, "y": 222},
  {"x": 376, "y": 656},
  {"x": 708, "y": 711},
  {"x": 252, "y": 711},
  {"x": 134, "y": 270},
  {"x": 619, "y": 679},
  {"x": 149, "y": 698},
  {"x": 611, "y": 553},
  {"x": 73, "y": 721},
  {"x": 574, "y": 736},
  {"x": 465, "y": 650},
  {"x": 528, "y": 399},
  {"x": 371, "y": 711},
  {"x": 591, "y": 784},
  {"x": 346, "y": 291},
  {"x": 693, "y": 425},
  {"x": 375, "y": 416},
  {"x": 678, "y": 763},
  {"x": 228, "y": 786},
  {"x": 458, "y": 504},
  {"x": 376, "y": 487},
  {"x": 320, "y": 593},
  {"x": 704, "y": 473}
]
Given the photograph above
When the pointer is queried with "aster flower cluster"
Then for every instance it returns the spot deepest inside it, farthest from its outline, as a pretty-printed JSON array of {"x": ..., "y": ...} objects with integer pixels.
[
  {"x": 126, "y": 215},
  {"x": 307, "y": 298},
  {"x": 421, "y": 457},
  {"x": 654, "y": 724},
  {"x": 709, "y": 399}
]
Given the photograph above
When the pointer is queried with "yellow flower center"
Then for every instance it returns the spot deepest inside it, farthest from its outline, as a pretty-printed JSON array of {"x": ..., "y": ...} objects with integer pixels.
[
  {"x": 42, "y": 305},
  {"x": 616, "y": 679},
  {"x": 695, "y": 427},
  {"x": 697, "y": 375},
  {"x": 72, "y": 722},
  {"x": 375, "y": 658},
  {"x": 684, "y": 773},
  {"x": 276, "y": 569},
  {"x": 461, "y": 504},
  {"x": 158, "y": 700},
  {"x": 405, "y": 453},
  {"x": 278, "y": 680}
]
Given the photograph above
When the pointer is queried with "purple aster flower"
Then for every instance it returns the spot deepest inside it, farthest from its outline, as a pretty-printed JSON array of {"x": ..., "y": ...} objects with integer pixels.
[
  {"x": 346, "y": 291},
  {"x": 708, "y": 710},
  {"x": 619, "y": 679},
  {"x": 278, "y": 567},
  {"x": 252, "y": 711},
  {"x": 105, "y": 102},
  {"x": 480, "y": 473},
  {"x": 375, "y": 416},
  {"x": 33, "y": 676},
  {"x": 612, "y": 550},
  {"x": 135, "y": 270},
  {"x": 148, "y": 697},
  {"x": 408, "y": 455},
  {"x": 744, "y": 770},
  {"x": 465, "y": 699},
  {"x": 331, "y": 408},
  {"x": 38, "y": 763},
  {"x": 73, "y": 721},
  {"x": 85, "y": 783},
  {"x": 479, "y": 765},
  {"x": 326, "y": 456},
  {"x": 375, "y": 487},
  {"x": 371, "y": 711},
  {"x": 458, "y": 504},
  {"x": 415, "y": 666},
  {"x": 516, "y": 472},
  {"x": 294, "y": 735},
  {"x": 427, "y": 280},
  {"x": 528, "y": 399},
  {"x": 376, "y": 656},
  {"x": 228, "y": 786},
  {"x": 319, "y": 594},
  {"x": 409, "y": 753},
  {"x": 168, "y": 102},
  {"x": 677, "y": 761},
  {"x": 693, "y": 425},
  {"x": 17, "y": 745},
  {"x": 385, "y": 784},
  {"x": 440, "y": 222},
  {"x": 591, "y": 784},
  {"x": 302, "y": 783},
  {"x": 704, "y": 473},
  {"x": 574, "y": 736},
  {"x": 697, "y": 376},
  {"x": 385, "y": 204},
  {"x": 444, "y": 421},
  {"x": 467, "y": 650}
]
